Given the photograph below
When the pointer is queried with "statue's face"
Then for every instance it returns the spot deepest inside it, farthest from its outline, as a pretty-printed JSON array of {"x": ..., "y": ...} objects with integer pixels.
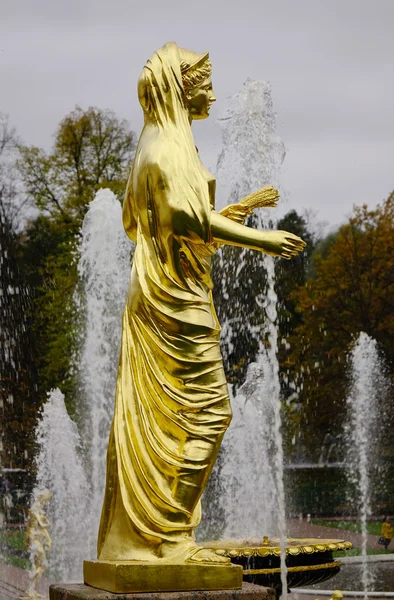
[{"x": 199, "y": 100}]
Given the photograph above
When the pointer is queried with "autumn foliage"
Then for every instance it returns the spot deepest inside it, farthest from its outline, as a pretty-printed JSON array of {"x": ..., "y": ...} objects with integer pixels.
[{"x": 352, "y": 290}]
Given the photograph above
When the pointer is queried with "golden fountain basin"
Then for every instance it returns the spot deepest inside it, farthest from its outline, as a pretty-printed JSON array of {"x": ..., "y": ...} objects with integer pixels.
[{"x": 308, "y": 561}]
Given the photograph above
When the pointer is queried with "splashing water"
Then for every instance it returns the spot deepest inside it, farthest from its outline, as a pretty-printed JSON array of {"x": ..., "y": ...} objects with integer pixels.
[
  {"x": 245, "y": 447},
  {"x": 104, "y": 270},
  {"x": 252, "y": 153},
  {"x": 252, "y": 470},
  {"x": 361, "y": 429},
  {"x": 73, "y": 467},
  {"x": 60, "y": 470}
]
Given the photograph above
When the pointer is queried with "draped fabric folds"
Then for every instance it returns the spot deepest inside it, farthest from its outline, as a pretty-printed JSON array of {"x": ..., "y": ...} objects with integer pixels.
[{"x": 172, "y": 405}]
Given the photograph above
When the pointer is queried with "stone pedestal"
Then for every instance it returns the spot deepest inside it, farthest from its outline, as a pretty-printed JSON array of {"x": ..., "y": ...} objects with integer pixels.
[
  {"x": 126, "y": 577},
  {"x": 79, "y": 591}
]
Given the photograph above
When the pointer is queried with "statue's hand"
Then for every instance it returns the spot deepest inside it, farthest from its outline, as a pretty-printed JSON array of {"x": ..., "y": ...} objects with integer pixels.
[
  {"x": 282, "y": 243},
  {"x": 235, "y": 212},
  {"x": 264, "y": 198}
]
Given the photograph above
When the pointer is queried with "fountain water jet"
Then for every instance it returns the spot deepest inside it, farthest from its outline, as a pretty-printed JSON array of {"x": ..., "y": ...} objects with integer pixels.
[
  {"x": 104, "y": 271},
  {"x": 60, "y": 470},
  {"x": 73, "y": 467},
  {"x": 361, "y": 433},
  {"x": 251, "y": 158}
]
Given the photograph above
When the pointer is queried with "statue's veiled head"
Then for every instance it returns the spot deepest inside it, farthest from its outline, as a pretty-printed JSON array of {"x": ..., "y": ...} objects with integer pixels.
[{"x": 176, "y": 81}]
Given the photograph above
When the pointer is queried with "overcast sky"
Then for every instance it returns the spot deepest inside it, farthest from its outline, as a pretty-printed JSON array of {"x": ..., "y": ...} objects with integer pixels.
[{"x": 330, "y": 63}]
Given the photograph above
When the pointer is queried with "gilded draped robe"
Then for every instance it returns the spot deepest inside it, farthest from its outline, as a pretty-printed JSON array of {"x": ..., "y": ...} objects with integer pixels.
[{"x": 172, "y": 404}]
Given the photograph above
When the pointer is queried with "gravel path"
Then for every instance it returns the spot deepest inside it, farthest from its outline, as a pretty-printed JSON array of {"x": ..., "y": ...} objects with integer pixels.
[{"x": 14, "y": 582}]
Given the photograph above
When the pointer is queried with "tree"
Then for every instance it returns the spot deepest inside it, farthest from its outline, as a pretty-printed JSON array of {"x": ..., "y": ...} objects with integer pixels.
[
  {"x": 289, "y": 276},
  {"x": 239, "y": 282},
  {"x": 240, "y": 285},
  {"x": 11, "y": 198},
  {"x": 18, "y": 376},
  {"x": 352, "y": 291},
  {"x": 92, "y": 149},
  {"x": 293, "y": 273},
  {"x": 48, "y": 262}
]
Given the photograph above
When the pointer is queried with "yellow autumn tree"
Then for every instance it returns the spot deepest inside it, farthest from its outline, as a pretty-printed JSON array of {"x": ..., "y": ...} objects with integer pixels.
[{"x": 352, "y": 291}]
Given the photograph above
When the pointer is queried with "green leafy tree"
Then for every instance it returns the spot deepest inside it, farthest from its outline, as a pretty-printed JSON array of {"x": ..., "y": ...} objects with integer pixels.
[
  {"x": 92, "y": 149},
  {"x": 19, "y": 400},
  {"x": 239, "y": 281},
  {"x": 47, "y": 255},
  {"x": 18, "y": 376},
  {"x": 289, "y": 276},
  {"x": 293, "y": 273}
]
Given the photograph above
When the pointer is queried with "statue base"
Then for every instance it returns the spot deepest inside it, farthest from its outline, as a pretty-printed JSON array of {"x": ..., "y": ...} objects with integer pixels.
[
  {"x": 78, "y": 591},
  {"x": 129, "y": 577}
]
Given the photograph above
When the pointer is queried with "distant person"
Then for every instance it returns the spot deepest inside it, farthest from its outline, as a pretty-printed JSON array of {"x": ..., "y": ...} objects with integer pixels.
[
  {"x": 7, "y": 506},
  {"x": 386, "y": 532},
  {"x": 6, "y": 500}
]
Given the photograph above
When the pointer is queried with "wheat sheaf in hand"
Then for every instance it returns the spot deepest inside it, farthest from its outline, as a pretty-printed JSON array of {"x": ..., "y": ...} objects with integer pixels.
[
  {"x": 267, "y": 197},
  {"x": 264, "y": 198}
]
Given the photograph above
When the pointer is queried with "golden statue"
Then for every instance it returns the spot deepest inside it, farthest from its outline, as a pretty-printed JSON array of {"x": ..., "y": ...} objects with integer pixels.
[
  {"x": 39, "y": 542},
  {"x": 172, "y": 404}
]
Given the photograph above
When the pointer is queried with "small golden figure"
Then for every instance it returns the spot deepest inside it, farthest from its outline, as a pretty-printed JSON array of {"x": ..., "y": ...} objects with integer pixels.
[
  {"x": 172, "y": 404},
  {"x": 39, "y": 542}
]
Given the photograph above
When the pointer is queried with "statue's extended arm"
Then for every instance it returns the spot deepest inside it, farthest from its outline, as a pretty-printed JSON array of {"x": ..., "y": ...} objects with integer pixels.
[{"x": 276, "y": 243}]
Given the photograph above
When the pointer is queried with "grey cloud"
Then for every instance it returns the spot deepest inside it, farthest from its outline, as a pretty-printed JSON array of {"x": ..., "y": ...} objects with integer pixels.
[
  {"x": 330, "y": 65},
  {"x": 332, "y": 177}
]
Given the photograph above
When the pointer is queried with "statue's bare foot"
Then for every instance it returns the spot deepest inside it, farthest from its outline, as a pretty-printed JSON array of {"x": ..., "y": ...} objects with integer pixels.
[
  {"x": 190, "y": 552},
  {"x": 203, "y": 555}
]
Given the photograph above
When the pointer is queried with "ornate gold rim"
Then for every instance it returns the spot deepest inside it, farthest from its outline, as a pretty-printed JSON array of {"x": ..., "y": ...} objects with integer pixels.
[
  {"x": 294, "y": 547},
  {"x": 330, "y": 565}
]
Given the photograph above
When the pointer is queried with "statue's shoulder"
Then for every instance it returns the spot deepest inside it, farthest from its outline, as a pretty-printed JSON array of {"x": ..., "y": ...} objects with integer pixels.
[{"x": 155, "y": 159}]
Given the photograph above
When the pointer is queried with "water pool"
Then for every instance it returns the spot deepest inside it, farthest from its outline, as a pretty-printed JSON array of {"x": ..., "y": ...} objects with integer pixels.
[{"x": 350, "y": 578}]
